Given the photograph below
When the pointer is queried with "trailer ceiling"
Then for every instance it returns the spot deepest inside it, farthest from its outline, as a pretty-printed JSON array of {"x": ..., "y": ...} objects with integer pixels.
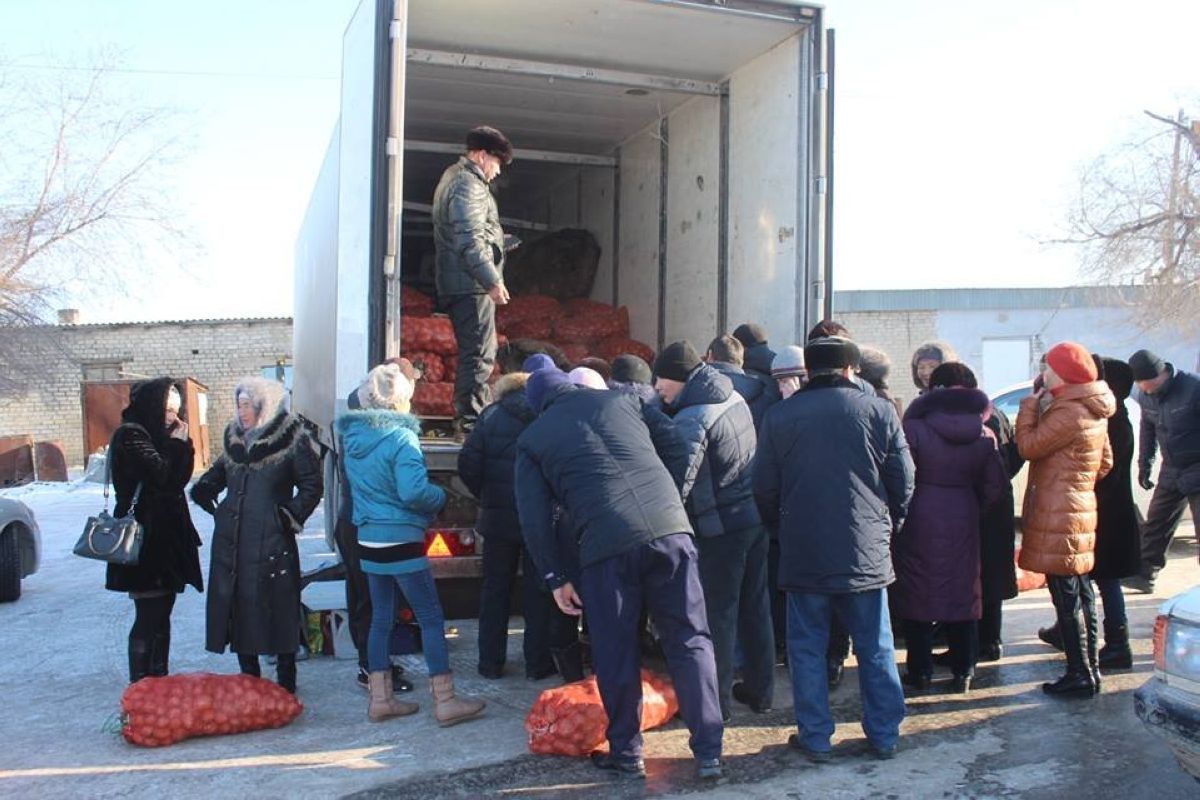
[{"x": 692, "y": 41}]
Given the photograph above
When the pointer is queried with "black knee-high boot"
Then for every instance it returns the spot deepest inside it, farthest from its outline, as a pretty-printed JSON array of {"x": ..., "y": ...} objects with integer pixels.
[
  {"x": 139, "y": 658},
  {"x": 249, "y": 665},
  {"x": 1078, "y": 680},
  {"x": 285, "y": 671}
]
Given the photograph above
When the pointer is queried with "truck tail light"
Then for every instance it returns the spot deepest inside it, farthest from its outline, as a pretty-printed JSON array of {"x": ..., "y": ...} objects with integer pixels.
[
  {"x": 449, "y": 543},
  {"x": 1160, "y": 643}
]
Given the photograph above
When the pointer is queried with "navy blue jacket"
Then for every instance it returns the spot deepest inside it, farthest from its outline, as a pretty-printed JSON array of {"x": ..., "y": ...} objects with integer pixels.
[
  {"x": 833, "y": 470},
  {"x": 603, "y": 458},
  {"x": 487, "y": 459},
  {"x": 1171, "y": 422},
  {"x": 760, "y": 392},
  {"x": 719, "y": 429}
]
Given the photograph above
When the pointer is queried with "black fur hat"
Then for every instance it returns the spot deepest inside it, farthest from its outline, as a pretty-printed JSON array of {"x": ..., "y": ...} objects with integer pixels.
[{"x": 490, "y": 140}]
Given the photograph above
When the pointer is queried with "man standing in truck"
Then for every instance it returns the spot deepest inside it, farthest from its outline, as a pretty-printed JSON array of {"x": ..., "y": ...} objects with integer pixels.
[{"x": 469, "y": 266}]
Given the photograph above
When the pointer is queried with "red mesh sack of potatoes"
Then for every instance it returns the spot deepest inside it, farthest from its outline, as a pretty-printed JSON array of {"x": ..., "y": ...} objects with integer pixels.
[
  {"x": 427, "y": 334},
  {"x": 532, "y": 328},
  {"x": 530, "y": 305},
  {"x": 161, "y": 711},
  {"x": 414, "y": 302},
  {"x": 570, "y": 720},
  {"x": 431, "y": 365},
  {"x": 614, "y": 346},
  {"x": 1028, "y": 581},
  {"x": 592, "y": 324},
  {"x": 450, "y": 367},
  {"x": 433, "y": 399},
  {"x": 575, "y": 352}
]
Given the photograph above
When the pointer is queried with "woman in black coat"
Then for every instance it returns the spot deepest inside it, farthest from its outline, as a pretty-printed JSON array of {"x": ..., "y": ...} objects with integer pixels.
[
  {"x": 151, "y": 449},
  {"x": 271, "y": 476}
]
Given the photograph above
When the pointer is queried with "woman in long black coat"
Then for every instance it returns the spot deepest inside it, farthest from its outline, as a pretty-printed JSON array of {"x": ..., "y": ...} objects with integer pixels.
[
  {"x": 151, "y": 449},
  {"x": 271, "y": 476}
]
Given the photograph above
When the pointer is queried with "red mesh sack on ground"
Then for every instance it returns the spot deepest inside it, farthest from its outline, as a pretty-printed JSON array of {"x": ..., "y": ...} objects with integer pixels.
[
  {"x": 575, "y": 352},
  {"x": 414, "y": 302},
  {"x": 162, "y": 711},
  {"x": 427, "y": 334},
  {"x": 570, "y": 720},
  {"x": 532, "y": 328},
  {"x": 615, "y": 346},
  {"x": 433, "y": 399},
  {"x": 431, "y": 366},
  {"x": 1027, "y": 581}
]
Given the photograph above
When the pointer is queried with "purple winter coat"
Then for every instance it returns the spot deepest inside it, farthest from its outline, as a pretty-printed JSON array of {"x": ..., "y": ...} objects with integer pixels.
[{"x": 959, "y": 473}]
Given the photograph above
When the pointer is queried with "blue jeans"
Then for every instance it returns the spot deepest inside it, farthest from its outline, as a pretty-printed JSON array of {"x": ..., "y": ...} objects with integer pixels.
[
  {"x": 419, "y": 590},
  {"x": 865, "y": 615}
]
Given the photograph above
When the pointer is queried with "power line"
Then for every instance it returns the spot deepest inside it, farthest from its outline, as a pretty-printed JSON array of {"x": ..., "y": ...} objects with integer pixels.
[{"x": 171, "y": 72}]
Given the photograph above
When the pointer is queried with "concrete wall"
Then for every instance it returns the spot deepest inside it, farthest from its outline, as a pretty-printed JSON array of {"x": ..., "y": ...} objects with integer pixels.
[
  {"x": 897, "y": 333},
  {"x": 216, "y": 353}
]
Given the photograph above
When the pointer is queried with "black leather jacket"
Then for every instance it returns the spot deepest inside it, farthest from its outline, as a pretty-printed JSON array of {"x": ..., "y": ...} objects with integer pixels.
[{"x": 466, "y": 232}]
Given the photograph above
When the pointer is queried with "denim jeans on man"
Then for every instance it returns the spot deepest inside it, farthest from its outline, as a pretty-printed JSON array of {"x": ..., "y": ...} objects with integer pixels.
[
  {"x": 865, "y": 615},
  {"x": 419, "y": 590}
]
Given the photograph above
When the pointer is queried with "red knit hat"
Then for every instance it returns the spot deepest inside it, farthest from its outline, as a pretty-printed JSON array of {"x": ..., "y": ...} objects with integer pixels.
[{"x": 1072, "y": 362}]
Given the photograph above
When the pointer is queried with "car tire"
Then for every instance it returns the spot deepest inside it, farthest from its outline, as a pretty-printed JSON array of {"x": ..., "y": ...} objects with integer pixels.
[{"x": 10, "y": 566}]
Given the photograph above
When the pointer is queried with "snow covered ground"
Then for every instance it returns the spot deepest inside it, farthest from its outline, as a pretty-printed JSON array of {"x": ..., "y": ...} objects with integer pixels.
[{"x": 64, "y": 668}]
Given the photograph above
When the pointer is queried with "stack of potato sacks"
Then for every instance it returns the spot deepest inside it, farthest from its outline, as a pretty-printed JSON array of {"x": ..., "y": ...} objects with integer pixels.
[{"x": 580, "y": 327}]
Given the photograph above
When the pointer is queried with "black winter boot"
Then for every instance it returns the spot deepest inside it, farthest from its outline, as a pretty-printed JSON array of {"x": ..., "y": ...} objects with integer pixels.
[
  {"x": 285, "y": 671},
  {"x": 1092, "y": 630},
  {"x": 249, "y": 665},
  {"x": 139, "y": 659},
  {"x": 1116, "y": 653},
  {"x": 160, "y": 652},
  {"x": 1052, "y": 636},
  {"x": 569, "y": 661},
  {"x": 1078, "y": 680}
]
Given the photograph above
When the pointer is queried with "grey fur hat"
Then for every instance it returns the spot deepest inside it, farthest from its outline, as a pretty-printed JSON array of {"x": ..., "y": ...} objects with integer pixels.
[
  {"x": 874, "y": 367},
  {"x": 931, "y": 351}
]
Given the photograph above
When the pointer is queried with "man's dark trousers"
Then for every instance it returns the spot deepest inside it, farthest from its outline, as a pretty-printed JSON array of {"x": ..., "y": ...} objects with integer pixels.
[
  {"x": 545, "y": 626},
  {"x": 664, "y": 576},
  {"x": 474, "y": 319},
  {"x": 1166, "y": 510},
  {"x": 358, "y": 598},
  {"x": 733, "y": 572}
]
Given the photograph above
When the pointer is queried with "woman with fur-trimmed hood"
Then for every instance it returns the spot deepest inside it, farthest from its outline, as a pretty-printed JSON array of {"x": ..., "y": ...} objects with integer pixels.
[
  {"x": 926, "y": 359},
  {"x": 271, "y": 475}
]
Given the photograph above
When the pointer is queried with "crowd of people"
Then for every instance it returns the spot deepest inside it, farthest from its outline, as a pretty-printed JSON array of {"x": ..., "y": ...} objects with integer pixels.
[{"x": 758, "y": 507}]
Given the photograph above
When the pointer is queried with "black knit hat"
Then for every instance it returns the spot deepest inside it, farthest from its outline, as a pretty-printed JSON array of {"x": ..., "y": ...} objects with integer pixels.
[
  {"x": 1146, "y": 366},
  {"x": 750, "y": 334},
  {"x": 677, "y": 361},
  {"x": 629, "y": 368},
  {"x": 830, "y": 353},
  {"x": 491, "y": 141}
]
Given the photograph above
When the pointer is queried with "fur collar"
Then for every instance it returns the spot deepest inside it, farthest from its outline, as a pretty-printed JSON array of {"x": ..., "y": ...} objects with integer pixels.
[
  {"x": 384, "y": 419},
  {"x": 272, "y": 444}
]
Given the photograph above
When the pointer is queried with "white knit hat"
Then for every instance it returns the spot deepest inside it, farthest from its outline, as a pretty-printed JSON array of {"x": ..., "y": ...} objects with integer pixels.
[
  {"x": 385, "y": 387},
  {"x": 788, "y": 361},
  {"x": 587, "y": 377}
]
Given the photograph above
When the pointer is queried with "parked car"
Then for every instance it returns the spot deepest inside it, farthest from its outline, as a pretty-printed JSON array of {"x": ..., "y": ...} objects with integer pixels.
[
  {"x": 1169, "y": 702},
  {"x": 1009, "y": 401},
  {"x": 20, "y": 547}
]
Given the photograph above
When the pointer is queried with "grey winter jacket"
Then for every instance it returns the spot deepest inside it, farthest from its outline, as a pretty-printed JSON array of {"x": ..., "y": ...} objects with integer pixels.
[
  {"x": 1171, "y": 421},
  {"x": 717, "y": 425},
  {"x": 466, "y": 232}
]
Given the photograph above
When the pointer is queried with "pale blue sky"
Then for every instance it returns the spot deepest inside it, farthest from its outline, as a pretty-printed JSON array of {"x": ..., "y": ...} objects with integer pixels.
[{"x": 961, "y": 129}]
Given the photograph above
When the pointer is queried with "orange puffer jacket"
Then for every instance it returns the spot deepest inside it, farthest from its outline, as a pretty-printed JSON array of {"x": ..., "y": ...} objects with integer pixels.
[{"x": 1068, "y": 451}]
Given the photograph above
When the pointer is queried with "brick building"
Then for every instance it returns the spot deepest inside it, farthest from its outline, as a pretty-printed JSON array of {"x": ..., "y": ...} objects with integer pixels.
[{"x": 216, "y": 352}]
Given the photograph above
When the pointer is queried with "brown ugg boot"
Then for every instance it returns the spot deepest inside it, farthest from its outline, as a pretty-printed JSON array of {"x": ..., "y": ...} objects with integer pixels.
[
  {"x": 383, "y": 703},
  {"x": 449, "y": 709}
]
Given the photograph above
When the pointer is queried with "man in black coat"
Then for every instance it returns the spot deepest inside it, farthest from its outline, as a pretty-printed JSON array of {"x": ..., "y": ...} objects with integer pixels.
[
  {"x": 834, "y": 472},
  {"x": 1170, "y": 402},
  {"x": 719, "y": 429},
  {"x": 726, "y": 356},
  {"x": 593, "y": 453},
  {"x": 485, "y": 465}
]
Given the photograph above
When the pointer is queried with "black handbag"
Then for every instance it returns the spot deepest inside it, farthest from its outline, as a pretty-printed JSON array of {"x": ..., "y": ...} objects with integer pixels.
[{"x": 116, "y": 540}]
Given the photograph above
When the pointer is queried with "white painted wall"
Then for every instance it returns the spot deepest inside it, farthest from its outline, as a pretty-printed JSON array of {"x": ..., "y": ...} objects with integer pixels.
[
  {"x": 638, "y": 256},
  {"x": 596, "y": 201},
  {"x": 693, "y": 186},
  {"x": 763, "y": 173}
]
